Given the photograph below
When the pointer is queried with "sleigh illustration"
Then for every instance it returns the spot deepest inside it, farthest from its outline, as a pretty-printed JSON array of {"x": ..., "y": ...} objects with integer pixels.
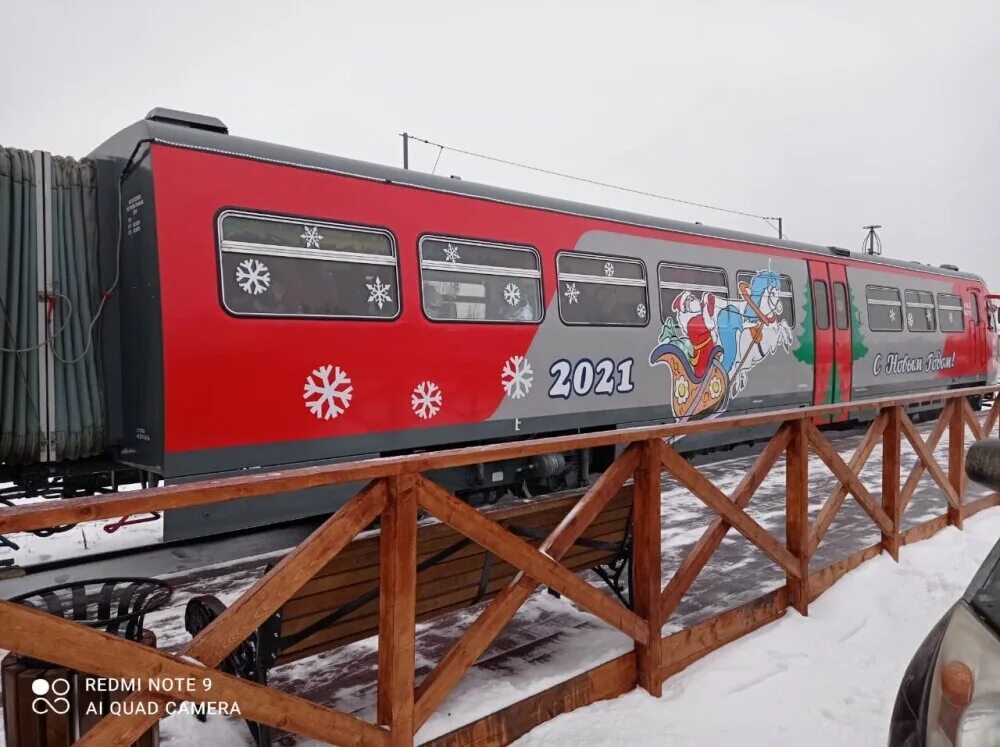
[{"x": 691, "y": 396}]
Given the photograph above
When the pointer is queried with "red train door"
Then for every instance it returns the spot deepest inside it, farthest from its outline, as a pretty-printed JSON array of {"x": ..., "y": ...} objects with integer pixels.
[
  {"x": 977, "y": 331},
  {"x": 843, "y": 357},
  {"x": 824, "y": 385}
]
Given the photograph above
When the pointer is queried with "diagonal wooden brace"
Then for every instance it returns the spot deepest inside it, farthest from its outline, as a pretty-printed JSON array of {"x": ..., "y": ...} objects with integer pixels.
[
  {"x": 249, "y": 612},
  {"x": 970, "y": 418},
  {"x": 829, "y": 510},
  {"x": 928, "y": 460},
  {"x": 535, "y": 563},
  {"x": 824, "y": 449},
  {"x": 50, "y": 638},
  {"x": 476, "y": 639},
  {"x": 933, "y": 439},
  {"x": 993, "y": 416},
  {"x": 701, "y": 487},
  {"x": 712, "y": 537}
]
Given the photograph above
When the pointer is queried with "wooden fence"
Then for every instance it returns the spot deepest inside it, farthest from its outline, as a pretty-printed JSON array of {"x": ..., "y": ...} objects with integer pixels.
[{"x": 397, "y": 488}]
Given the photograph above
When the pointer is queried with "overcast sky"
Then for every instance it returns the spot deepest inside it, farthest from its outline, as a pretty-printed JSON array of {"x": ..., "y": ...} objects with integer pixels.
[{"x": 830, "y": 114}]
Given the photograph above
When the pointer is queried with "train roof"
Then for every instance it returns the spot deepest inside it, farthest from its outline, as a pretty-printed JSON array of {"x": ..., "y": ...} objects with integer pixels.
[{"x": 209, "y": 134}]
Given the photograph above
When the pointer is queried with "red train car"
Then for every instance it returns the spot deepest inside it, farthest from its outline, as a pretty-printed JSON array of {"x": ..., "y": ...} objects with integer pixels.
[{"x": 278, "y": 307}]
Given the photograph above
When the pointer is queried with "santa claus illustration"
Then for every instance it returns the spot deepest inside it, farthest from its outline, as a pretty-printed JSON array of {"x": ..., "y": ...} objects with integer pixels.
[{"x": 696, "y": 316}]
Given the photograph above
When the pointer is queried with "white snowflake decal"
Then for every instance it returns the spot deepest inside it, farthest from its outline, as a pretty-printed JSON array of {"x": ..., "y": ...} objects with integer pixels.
[
  {"x": 379, "y": 292},
  {"x": 951, "y": 317},
  {"x": 253, "y": 276},
  {"x": 451, "y": 254},
  {"x": 327, "y": 398},
  {"x": 512, "y": 294},
  {"x": 572, "y": 294},
  {"x": 311, "y": 237},
  {"x": 640, "y": 311},
  {"x": 516, "y": 377},
  {"x": 892, "y": 315},
  {"x": 426, "y": 399},
  {"x": 909, "y": 318},
  {"x": 609, "y": 269}
]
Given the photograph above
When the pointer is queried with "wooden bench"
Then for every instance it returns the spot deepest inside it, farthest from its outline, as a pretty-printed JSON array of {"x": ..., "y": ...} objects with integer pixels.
[{"x": 339, "y": 604}]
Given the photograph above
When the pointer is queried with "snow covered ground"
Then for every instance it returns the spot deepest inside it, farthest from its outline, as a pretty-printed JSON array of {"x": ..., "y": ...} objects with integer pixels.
[{"x": 827, "y": 679}]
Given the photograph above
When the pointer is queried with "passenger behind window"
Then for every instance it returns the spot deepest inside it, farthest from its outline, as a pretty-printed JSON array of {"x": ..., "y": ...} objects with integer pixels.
[
  {"x": 435, "y": 306},
  {"x": 522, "y": 313}
]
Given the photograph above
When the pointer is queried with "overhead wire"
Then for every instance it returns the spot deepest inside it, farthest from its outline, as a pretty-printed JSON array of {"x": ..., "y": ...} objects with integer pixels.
[{"x": 585, "y": 180}]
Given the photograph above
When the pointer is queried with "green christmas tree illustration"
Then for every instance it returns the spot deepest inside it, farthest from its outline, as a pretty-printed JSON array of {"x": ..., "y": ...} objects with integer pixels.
[
  {"x": 805, "y": 350},
  {"x": 858, "y": 348}
]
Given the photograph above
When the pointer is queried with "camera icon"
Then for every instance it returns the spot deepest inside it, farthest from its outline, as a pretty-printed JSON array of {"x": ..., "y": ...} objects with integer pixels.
[{"x": 50, "y": 697}]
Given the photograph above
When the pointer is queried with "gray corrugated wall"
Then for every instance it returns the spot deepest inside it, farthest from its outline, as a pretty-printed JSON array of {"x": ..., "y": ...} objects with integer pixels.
[
  {"x": 79, "y": 404},
  {"x": 78, "y": 392},
  {"x": 19, "y": 416}
]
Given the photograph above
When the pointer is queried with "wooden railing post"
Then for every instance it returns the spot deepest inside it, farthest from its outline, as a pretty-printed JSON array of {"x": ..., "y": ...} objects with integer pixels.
[
  {"x": 397, "y": 611},
  {"x": 891, "y": 503},
  {"x": 956, "y": 462},
  {"x": 646, "y": 561},
  {"x": 797, "y": 513}
]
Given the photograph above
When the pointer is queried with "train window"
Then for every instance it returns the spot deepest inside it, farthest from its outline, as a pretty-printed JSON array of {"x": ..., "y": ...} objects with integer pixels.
[
  {"x": 885, "y": 309},
  {"x": 920, "y": 311},
  {"x": 785, "y": 293},
  {"x": 821, "y": 304},
  {"x": 288, "y": 267},
  {"x": 840, "y": 315},
  {"x": 974, "y": 308},
  {"x": 676, "y": 278},
  {"x": 477, "y": 281},
  {"x": 951, "y": 317},
  {"x": 601, "y": 290}
]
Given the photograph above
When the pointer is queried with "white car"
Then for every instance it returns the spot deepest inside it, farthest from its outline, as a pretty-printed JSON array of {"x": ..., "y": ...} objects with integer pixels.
[{"x": 950, "y": 693}]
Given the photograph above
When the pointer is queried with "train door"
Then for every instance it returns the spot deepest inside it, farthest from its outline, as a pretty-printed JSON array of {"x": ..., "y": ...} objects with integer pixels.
[
  {"x": 824, "y": 386},
  {"x": 977, "y": 332},
  {"x": 843, "y": 359},
  {"x": 993, "y": 338}
]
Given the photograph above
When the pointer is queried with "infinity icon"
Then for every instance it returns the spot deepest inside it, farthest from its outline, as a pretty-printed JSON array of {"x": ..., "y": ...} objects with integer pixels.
[{"x": 58, "y": 688}]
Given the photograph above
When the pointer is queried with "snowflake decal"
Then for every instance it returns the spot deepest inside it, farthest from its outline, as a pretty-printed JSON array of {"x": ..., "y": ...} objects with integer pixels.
[
  {"x": 451, "y": 254},
  {"x": 609, "y": 269},
  {"x": 909, "y": 319},
  {"x": 951, "y": 317},
  {"x": 640, "y": 311},
  {"x": 311, "y": 237},
  {"x": 892, "y": 315},
  {"x": 426, "y": 399},
  {"x": 516, "y": 377},
  {"x": 327, "y": 397},
  {"x": 253, "y": 276},
  {"x": 572, "y": 294},
  {"x": 930, "y": 316},
  {"x": 379, "y": 292},
  {"x": 512, "y": 294}
]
